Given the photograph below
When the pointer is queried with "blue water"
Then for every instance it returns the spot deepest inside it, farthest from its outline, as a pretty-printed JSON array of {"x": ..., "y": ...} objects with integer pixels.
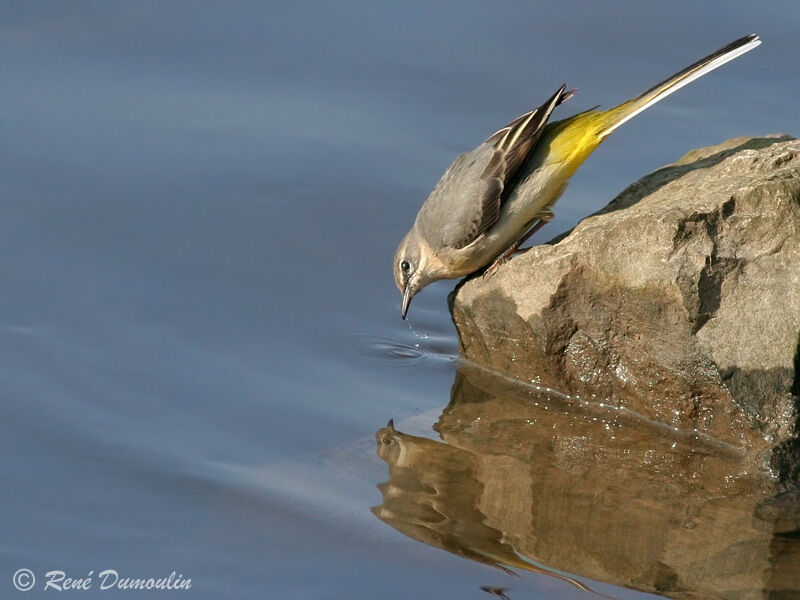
[{"x": 199, "y": 204}]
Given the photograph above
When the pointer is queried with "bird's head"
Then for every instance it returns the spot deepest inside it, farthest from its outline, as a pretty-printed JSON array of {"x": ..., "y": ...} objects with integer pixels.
[{"x": 414, "y": 267}]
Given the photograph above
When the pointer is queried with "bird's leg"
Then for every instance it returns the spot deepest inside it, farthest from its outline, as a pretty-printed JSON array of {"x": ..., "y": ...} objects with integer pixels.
[{"x": 542, "y": 219}]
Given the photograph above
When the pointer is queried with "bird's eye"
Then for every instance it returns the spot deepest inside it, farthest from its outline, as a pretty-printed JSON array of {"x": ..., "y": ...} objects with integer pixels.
[{"x": 405, "y": 266}]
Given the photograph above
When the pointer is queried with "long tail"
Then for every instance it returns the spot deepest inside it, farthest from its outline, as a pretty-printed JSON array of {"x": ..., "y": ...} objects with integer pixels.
[{"x": 626, "y": 111}]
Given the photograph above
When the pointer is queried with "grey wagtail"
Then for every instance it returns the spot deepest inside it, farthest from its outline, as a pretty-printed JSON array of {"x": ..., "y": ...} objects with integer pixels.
[{"x": 493, "y": 198}]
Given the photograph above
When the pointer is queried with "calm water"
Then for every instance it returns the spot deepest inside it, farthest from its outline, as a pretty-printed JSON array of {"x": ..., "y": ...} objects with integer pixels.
[{"x": 199, "y": 203}]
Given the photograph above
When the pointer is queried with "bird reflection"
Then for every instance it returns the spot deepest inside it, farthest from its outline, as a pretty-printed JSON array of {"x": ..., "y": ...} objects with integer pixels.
[
  {"x": 433, "y": 495},
  {"x": 495, "y": 591},
  {"x": 523, "y": 481},
  {"x": 421, "y": 502}
]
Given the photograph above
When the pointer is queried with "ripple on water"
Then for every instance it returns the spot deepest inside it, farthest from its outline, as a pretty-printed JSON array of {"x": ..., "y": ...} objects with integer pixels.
[{"x": 399, "y": 353}]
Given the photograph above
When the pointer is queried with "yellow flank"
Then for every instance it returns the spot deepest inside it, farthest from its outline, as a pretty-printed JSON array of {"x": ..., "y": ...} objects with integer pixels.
[{"x": 572, "y": 140}]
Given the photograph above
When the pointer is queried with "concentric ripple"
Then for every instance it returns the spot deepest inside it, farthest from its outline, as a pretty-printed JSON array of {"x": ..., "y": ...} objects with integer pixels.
[{"x": 392, "y": 351}]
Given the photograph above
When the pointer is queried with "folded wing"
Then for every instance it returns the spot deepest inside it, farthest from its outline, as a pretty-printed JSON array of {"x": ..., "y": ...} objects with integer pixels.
[{"x": 466, "y": 202}]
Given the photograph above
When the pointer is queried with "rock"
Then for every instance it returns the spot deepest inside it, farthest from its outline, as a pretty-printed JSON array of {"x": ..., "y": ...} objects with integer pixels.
[{"x": 680, "y": 300}]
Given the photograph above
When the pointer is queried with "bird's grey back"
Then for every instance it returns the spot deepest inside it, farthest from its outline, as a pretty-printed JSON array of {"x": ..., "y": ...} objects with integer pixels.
[
  {"x": 460, "y": 207},
  {"x": 467, "y": 201}
]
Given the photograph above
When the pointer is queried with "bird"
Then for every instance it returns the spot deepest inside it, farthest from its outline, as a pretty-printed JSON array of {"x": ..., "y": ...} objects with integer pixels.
[{"x": 491, "y": 199}]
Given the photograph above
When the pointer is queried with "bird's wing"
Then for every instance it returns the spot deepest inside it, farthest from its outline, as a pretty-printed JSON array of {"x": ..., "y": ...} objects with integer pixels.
[{"x": 466, "y": 202}]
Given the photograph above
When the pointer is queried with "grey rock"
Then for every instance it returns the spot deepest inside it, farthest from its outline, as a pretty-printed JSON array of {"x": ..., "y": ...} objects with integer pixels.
[{"x": 680, "y": 300}]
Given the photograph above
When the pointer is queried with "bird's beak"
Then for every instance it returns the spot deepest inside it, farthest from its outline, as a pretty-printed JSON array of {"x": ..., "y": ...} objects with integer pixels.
[{"x": 407, "y": 295}]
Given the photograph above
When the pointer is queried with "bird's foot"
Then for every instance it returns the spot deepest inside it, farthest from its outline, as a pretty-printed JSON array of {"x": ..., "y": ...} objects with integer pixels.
[
  {"x": 492, "y": 269},
  {"x": 502, "y": 259}
]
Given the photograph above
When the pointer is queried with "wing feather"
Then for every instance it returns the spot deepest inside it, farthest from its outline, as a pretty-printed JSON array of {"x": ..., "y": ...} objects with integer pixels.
[{"x": 466, "y": 202}]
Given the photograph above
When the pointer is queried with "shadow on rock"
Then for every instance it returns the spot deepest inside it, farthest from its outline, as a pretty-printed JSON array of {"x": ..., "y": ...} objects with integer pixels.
[{"x": 523, "y": 479}]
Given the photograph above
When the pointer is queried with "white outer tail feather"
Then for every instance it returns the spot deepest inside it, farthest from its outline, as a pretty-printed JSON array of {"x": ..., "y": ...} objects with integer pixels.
[{"x": 704, "y": 70}]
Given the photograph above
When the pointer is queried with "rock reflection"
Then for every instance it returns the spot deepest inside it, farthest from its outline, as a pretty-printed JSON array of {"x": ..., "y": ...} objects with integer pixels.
[{"x": 527, "y": 480}]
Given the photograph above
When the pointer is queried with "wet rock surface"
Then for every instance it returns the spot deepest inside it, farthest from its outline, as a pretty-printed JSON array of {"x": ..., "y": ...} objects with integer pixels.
[
  {"x": 680, "y": 300},
  {"x": 524, "y": 480}
]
